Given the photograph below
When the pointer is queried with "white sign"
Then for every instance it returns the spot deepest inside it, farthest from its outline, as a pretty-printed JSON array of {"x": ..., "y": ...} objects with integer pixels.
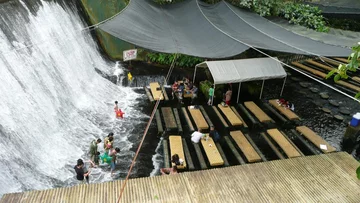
[{"x": 129, "y": 54}]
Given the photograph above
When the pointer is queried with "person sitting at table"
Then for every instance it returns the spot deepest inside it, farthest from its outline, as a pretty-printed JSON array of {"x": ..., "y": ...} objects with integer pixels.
[
  {"x": 194, "y": 92},
  {"x": 175, "y": 159},
  {"x": 214, "y": 134},
  {"x": 196, "y": 136},
  {"x": 174, "y": 88},
  {"x": 181, "y": 92}
]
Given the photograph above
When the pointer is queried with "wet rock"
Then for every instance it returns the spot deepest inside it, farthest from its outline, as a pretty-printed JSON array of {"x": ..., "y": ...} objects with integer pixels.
[
  {"x": 334, "y": 103},
  {"x": 314, "y": 89},
  {"x": 339, "y": 118},
  {"x": 324, "y": 95},
  {"x": 326, "y": 110},
  {"x": 295, "y": 79},
  {"x": 317, "y": 103},
  {"x": 344, "y": 111},
  {"x": 304, "y": 84}
]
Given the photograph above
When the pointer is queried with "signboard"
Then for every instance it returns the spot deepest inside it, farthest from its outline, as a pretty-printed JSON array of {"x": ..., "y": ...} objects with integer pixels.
[{"x": 129, "y": 54}]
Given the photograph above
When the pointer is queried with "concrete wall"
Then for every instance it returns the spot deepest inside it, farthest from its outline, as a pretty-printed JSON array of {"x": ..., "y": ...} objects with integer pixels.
[{"x": 99, "y": 10}]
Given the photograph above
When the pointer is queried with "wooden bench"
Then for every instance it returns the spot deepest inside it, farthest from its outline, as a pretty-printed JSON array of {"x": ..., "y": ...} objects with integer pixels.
[
  {"x": 155, "y": 91},
  {"x": 238, "y": 115},
  {"x": 230, "y": 115},
  {"x": 357, "y": 79},
  {"x": 176, "y": 147},
  {"x": 315, "y": 139},
  {"x": 187, "y": 118},
  {"x": 285, "y": 111},
  {"x": 158, "y": 122},
  {"x": 220, "y": 117},
  {"x": 148, "y": 94},
  {"x": 198, "y": 118},
  {"x": 248, "y": 150},
  {"x": 348, "y": 85},
  {"x": 212, "y": 152},
  {"x": 325, "y": 67},
  {"x": 285, "y": 145},
  {"x": 260, "y": 114},
  {"x": 170, "y": 122},
  {"x": 310, "y": 70}
]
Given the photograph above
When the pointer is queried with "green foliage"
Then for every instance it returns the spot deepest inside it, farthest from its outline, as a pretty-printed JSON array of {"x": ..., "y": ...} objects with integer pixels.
[
  {"x": 305, "y": 15},
  {"x": 341, "y": 71},
  {"x": 204, "y": 88},
  {"x": 162, "y": 2},
  {"x": 262, "y": 7},
  {"x": 358, "y": 173},
  {"x": 166, "y": 59}
]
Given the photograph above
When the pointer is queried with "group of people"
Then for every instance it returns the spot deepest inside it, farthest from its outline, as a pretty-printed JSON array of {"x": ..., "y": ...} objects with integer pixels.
[
  {"x": 185, "y": 86},
  {"x": 226, "y": 99},
  {"x": 286, "y": 104},
  {"x": 196, "y": 136},
  {"x": 108, "y": 156}
]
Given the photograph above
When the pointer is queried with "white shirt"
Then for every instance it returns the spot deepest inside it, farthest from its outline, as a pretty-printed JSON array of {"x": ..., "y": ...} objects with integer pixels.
[{"x": 196, "y": 136}]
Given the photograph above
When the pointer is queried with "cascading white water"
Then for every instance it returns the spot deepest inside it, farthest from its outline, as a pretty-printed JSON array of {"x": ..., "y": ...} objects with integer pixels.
[{"x": 52, "y": 102}]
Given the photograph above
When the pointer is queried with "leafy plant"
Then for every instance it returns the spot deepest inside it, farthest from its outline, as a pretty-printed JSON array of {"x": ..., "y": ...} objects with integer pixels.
[
  {"x": 358, "y": 172},
  {"x": 166, "y": 59},
  {"x": 305, "y": 15},
  {"x": 341, "y": 71}
]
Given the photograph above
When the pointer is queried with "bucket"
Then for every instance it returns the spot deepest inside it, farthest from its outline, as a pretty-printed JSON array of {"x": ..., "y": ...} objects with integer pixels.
[{"x": 355, "y": 121}]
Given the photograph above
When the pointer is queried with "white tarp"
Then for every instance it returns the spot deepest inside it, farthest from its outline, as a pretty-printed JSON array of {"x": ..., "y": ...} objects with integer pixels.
[{"x": 235, "y": 71}]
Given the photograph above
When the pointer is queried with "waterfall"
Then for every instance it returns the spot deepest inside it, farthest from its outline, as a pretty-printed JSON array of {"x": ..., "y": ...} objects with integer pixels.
[{"x": 52, "y": 101}]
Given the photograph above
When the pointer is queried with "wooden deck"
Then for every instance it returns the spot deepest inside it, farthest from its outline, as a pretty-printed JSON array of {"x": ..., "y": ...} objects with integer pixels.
[
  {"x": 156, "y": 91},
  {"x": 230, "y": 115},
  {"x": 259, "y": 114},
  {"x": 248, "y": 150},
  {"x": 199, "y": 119},
  {"x": 176, "y": 147},
  {"x": 212, "y": 152},
  {"x": 285, "y": 111},
  {"x": 321, "y": 178},
  {"x": 315, "y": 139},
  {"x": 285, "y": 145}
]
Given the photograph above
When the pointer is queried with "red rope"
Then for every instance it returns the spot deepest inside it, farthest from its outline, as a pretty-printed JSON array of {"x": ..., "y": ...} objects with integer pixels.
[{"x": 145, "y": 132}]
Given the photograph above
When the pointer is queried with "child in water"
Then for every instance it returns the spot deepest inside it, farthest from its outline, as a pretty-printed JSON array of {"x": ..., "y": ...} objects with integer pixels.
[{"x": 118, "y": 112}]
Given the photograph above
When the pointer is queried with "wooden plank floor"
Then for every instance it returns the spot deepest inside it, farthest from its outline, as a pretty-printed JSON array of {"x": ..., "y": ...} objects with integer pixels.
[
  {"x": 319, "y": 178},
  {"x": 248, "y": 150}
]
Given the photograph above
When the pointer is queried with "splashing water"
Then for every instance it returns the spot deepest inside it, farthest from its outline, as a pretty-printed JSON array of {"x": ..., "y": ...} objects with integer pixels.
[{"x": 53, "y": 103}]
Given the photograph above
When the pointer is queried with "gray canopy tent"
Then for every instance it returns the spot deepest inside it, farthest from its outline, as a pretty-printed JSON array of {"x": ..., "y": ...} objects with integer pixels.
[
  {"x": 243, "y": 70},
  {"x": 195, "y": 28}
]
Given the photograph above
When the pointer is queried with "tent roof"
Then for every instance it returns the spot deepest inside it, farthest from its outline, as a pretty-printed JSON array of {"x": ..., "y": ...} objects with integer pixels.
[
  {"x": 235, "y": 71},
  {"x": 195, "y": 28}
]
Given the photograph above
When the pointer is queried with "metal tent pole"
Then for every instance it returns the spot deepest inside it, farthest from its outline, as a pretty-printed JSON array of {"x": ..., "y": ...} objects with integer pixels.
[
  {"x": 262, "y": 87},
  {"x": 282, "y": 89},
  {"x": 237, "y": 101},
  {"x": 194, "y": 74},
  {"x": 212, "y": 99}
]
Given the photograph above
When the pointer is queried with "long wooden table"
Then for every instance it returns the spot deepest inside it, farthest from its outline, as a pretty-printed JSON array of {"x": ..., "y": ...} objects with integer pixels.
[
  {"x": 285, "y": 111},
  {"x": 315, "y": 139},
  {"x": 156, "y": 91},
  {"x": 212, "y": 152},
  {"x": 230, "y": 115},
  {"x": 199, "y": 119},
  {"x": 176, "y": 147},
  {"x": 287, "y": 147},
  {"x": 248, "y": 150},
  {"x": 260, "y": 114}
]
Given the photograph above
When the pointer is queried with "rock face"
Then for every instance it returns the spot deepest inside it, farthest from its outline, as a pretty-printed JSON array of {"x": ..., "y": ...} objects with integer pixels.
[{"x": 102, "y": 10}]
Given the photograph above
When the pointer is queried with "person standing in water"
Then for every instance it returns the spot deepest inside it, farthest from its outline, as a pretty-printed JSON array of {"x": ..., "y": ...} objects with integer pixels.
[
  {"x": 81, "y": 172},
  {"x": 118, "y": 112},
  {"x": 113, "y": 153},
  {"x": 94, "y": 148}
]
